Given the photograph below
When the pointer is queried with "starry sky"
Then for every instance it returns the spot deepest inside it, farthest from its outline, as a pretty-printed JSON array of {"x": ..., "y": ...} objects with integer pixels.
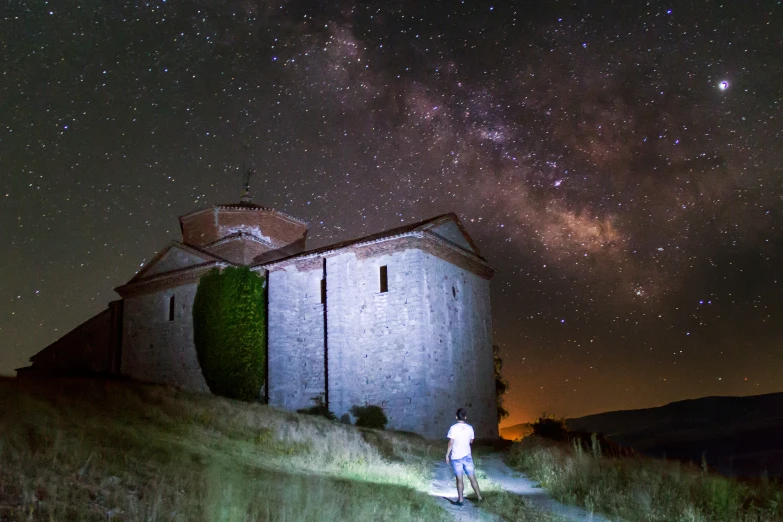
[{"x": 619, "y": 162}]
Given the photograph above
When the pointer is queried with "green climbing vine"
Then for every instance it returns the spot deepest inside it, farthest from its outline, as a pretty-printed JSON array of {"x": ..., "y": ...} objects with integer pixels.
[{"x": 229, "y": 327}]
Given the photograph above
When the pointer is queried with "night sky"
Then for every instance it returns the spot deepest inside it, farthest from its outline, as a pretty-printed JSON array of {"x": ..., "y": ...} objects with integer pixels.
[{"x": 619, "y": 163}]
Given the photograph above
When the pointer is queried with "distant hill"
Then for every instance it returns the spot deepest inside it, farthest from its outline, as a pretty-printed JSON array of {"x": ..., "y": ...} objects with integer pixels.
[
  {"x": 517, "y": 431},
  {"x": 740, "y": 436}
]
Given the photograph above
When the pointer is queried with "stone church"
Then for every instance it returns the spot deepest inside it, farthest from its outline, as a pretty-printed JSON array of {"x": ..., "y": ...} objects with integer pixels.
[{"x": 400, "y": 319}]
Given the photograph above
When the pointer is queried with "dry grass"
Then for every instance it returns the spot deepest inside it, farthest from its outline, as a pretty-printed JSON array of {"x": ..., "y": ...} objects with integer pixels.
[
  {"x": 98, "y": 450},
  {"x": 642, "y": 489}
]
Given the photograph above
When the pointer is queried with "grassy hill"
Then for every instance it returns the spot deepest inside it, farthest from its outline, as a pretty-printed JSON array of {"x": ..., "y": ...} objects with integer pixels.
[{"x": 98, "y": 450}]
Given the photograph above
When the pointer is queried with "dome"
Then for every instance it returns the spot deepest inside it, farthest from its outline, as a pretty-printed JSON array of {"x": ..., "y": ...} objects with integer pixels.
[{"x": 244, "y": 233}]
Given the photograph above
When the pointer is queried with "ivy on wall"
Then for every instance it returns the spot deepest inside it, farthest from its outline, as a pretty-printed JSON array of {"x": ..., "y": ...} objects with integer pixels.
[{"x": 229, "y": 327}]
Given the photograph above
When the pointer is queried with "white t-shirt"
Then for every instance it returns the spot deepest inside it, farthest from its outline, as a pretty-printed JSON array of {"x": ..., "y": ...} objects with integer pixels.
[{"x": 461, "y": 433}]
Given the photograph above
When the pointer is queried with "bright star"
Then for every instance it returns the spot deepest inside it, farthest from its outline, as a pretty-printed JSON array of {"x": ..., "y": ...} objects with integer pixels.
[{"x": 723, "y": 85}]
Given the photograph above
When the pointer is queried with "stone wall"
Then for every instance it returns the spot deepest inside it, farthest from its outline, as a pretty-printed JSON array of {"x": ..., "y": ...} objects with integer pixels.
[
  {"x": 92, "y": 348},
  {"x": 296, "y": 366},
  {"x": 459, "y": 361},
  {"x": 155, "y": 349},
  {"x": 375, "y": 344},
  {"x": 420, "y": 350}
]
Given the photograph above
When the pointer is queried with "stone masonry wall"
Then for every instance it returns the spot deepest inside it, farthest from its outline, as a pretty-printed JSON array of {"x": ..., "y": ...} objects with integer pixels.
[
  {"x": 296, "y": 337},
  {"x": 155, "y": 349},
  {"x": 375, "y": 344},
  {"x": 420, "y": 350},
  {"x": 459, "y": 362}
]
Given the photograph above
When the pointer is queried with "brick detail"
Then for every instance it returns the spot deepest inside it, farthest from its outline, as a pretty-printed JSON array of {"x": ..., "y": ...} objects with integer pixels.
[
  {"x": 207, "y": 226},
  {"x": 241, "y": 249}
]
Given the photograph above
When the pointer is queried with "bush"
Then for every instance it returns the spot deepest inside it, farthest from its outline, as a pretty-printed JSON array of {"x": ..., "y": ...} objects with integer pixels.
[
  {"x": 319, "y": 410},
  {"x": 229, "y": 332},
  {"x": 551, "y": 427},
  {"x": 370, "y": 417}
]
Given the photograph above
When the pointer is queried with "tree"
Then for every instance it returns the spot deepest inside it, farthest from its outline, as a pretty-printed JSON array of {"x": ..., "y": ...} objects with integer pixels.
[
  {"x": 229, "y": 329},
  {"x": 501, "y": 385}
]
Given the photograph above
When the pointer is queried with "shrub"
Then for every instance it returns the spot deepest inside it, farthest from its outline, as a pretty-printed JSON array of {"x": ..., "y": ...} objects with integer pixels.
[
  {"x": 551, "y": 427},
  {"x": 370, "y": 417},
  {"x": 229, "y": 332},
  {"x": 319, "y": 408}
]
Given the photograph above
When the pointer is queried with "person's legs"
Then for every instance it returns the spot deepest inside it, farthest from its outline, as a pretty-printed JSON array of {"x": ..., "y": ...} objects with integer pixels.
[
  {"x": 460, "y": 487},
  {"x": 459, "y": 471},
  {"x": 474, "y": 485},
  {"x": 470, "y": 471}
]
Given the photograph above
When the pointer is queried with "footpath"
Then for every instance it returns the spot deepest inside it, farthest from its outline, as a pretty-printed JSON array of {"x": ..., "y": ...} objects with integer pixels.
[{"x": 497, "y": 471}]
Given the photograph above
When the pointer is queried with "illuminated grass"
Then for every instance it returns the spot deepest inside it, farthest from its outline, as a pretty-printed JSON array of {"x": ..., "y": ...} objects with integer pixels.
[
  {"x": 643, "y": 489},
  {"x": 97, "y": 450}
]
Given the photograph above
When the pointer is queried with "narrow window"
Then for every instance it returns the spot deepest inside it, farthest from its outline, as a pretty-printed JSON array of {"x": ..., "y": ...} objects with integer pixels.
[
  {"x": 171, "y": 308},
  {"x": 454, "y": 292},
  {"x": 323, "y": 291},
  {"x": 384, "y": 279}
]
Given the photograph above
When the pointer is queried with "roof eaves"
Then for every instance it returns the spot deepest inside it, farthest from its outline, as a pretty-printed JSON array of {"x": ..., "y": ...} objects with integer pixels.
[
  {"x": 138, "y": 276},
  {"x": 329, "y": 249},
  {"x": 158, "y": 277},
  {"x": 479, "y": 259},
  {"x": 325, "y": 251},
  {"x": 386, "y": 234}
]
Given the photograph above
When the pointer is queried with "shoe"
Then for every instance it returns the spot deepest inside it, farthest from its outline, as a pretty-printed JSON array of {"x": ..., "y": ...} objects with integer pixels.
[{"x": 458, "y": 503}]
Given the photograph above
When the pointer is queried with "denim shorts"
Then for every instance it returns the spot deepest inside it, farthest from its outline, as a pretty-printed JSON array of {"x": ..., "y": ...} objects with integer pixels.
[{"x": 463, "y": 465}]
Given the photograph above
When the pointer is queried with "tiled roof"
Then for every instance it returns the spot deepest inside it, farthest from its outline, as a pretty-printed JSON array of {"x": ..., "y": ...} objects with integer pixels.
[{"x": 244, "y": 205}]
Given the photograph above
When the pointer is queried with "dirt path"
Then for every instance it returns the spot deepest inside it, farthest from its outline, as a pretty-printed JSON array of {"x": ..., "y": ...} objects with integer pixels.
[
  {"x": 498, "y": 472},
  {"x": 444, "y": 489}
]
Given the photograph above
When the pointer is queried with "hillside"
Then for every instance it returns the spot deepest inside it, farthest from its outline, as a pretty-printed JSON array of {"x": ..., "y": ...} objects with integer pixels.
[
  {"x": 98, "y": 450},
  {"x": 516, "y": 431},
  {"x": 739, "y": 436}
]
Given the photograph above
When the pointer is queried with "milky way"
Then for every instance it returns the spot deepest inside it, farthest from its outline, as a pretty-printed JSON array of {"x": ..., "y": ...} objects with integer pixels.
[{"x": 619, "y": 163}]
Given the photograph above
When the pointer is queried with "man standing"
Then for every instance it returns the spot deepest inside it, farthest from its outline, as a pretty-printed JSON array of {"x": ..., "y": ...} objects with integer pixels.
[{"x": 458, "y": 454}]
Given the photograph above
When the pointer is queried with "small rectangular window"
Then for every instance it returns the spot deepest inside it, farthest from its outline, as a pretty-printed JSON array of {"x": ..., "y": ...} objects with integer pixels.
[
  {"x": 384, "y": 279},
  {"x": 323, "y": 291},
  {"x": 171, "y": 308}
]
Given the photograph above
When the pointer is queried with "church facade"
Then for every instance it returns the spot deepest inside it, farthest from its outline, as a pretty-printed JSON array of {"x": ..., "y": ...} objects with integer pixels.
[{"x": 400, "y": 319}]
